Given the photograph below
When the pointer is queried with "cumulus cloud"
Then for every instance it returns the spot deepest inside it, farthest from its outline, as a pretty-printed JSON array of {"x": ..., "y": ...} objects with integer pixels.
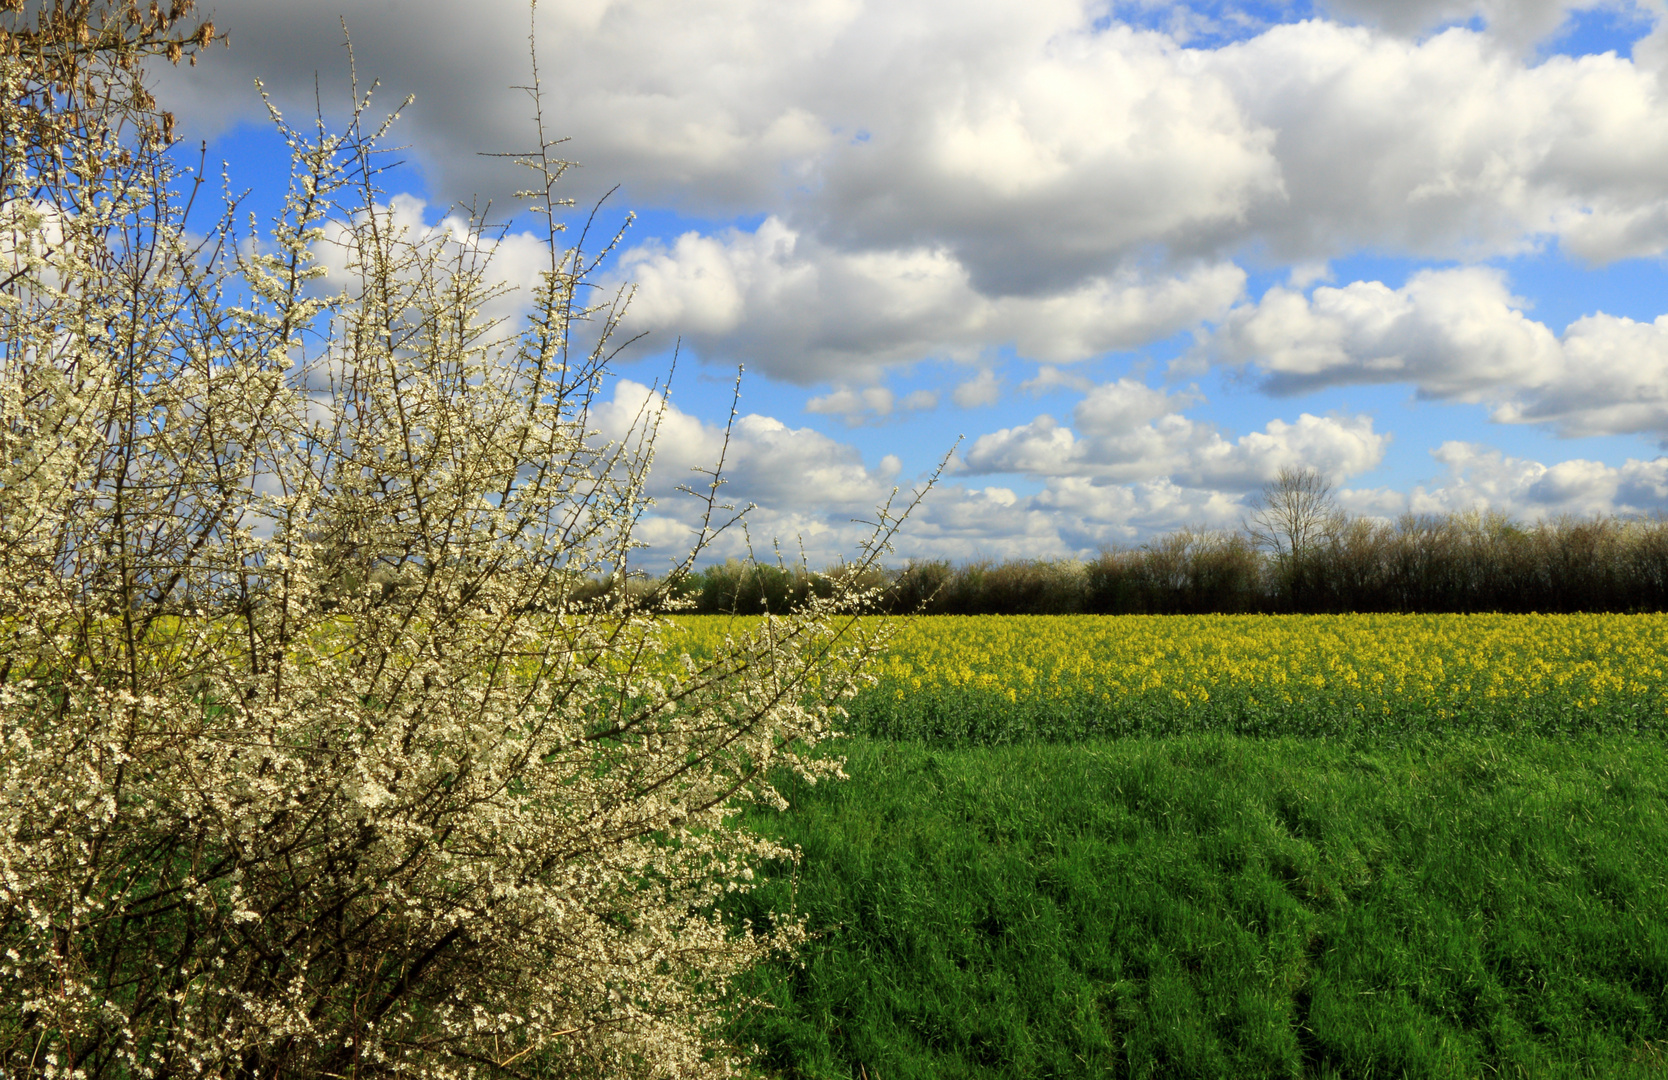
[
  {"x": 1452, "y": 146},
  {"x": 1458, "y": 335},
  {"x": 1127, "y": 431},
  {"x": 505, "y": 261},
  {"x": 785, "y": 303},
  {"x": 1076, "y": 515},
  {"x": 1613, "y": 380},
  {"x": 1092, "y": 514},
  {"x": 985, "y": 388},
  {"x": 1479, "y": 476},
  {"x": 812, "y": 491},
  {"x": 964, "y": 523},
  {"x": 1045, "y": 153},
  {"x": 1016, "y": 135},
  {"x": 806, "y": 489},
  {"x": 670, "y": 97},
  {"x": 1069, "y": 517},
  {"x": 1022, "y": 142},
  {"x": 767, "y": 461}
]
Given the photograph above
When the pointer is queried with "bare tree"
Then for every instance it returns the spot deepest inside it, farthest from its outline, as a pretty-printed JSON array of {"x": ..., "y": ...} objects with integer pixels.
[
  {"x": 1293, "y": 517},
  {"x": 312, "y": 760}
]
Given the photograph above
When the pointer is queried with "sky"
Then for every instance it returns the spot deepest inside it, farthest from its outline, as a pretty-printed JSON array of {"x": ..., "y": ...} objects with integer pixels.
[{"x": 1114, "y": 264}]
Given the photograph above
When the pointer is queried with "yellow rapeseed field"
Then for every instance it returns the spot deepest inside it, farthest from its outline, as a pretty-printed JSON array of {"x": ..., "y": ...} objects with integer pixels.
[{"x": 1002, "y": 677}]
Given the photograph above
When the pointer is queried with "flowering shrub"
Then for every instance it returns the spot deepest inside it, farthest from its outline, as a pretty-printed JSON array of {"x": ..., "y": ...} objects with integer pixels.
[{"x": 313, "y": 761}]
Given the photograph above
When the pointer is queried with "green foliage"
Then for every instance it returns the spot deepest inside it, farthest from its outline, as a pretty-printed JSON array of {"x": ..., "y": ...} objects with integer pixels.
[{"x": 1212, "y": 906}]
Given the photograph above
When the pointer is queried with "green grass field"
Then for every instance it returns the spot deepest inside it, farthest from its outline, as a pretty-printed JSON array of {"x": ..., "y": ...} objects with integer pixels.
[{"x": 1213, "y": 905}]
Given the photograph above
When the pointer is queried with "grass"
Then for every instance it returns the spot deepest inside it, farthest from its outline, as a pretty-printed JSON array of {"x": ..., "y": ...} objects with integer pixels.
[{"x": 1218, "y": 906}]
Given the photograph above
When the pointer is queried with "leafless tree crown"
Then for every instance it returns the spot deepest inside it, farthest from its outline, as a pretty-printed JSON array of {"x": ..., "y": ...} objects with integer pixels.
[{"x": 1295, "y": 513}]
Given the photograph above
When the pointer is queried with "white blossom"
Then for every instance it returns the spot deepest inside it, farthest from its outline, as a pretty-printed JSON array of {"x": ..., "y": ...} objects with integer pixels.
[{"x": 312, "y": 761}]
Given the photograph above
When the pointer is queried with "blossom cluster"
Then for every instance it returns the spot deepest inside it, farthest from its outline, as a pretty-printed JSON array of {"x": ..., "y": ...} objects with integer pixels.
[{"x": 313, "y": 759}]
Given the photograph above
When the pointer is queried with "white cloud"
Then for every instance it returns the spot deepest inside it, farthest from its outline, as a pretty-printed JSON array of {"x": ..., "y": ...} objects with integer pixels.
[
  {"x": 1483, "y": 477},
  {"x": 1305, "y": 274},
  {"x": 1069, "y": 517},
  {"x": 962, "y": 523},
  {"x": 1016, "y": 140},
  {"x": 807, "y": 489},
  {"x": 1093, "y": 514},
  {"x": 1042, "y": 152},
  {"x": 985, "y": 388},
  {"x": 1075, "y": 515},
  {"x": 767, "y": 462},
  {"x": 1450, "y": 147},
  {"x": 1050, "y": 378},
  {"x": 505, "y": 263},
  {"x": 1613, "y": 380},
  {"x": 785, "y": 303},
  {"x": 1127, "y": 431},
  {"x": 692, "y": 99},
  {"x": 853, "y": 405},
  {"x": 1458, "y": 335},
  {"x": 1454, "y": 333},
  {"x": 870, "y": 404}
]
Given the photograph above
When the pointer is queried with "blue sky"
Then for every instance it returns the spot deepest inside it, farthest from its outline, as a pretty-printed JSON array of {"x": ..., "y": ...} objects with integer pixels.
[{"x": 1137, "y": 256}]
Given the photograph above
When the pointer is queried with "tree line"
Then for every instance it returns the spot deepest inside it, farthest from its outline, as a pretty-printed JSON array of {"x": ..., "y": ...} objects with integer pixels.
[{"x": 1315, "y": 561}]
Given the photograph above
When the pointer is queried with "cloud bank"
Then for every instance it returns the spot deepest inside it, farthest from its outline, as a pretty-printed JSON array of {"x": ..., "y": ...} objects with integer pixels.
[
  {"x": 958, "y": 175},
  {"x": 1048, "y": 185}
]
